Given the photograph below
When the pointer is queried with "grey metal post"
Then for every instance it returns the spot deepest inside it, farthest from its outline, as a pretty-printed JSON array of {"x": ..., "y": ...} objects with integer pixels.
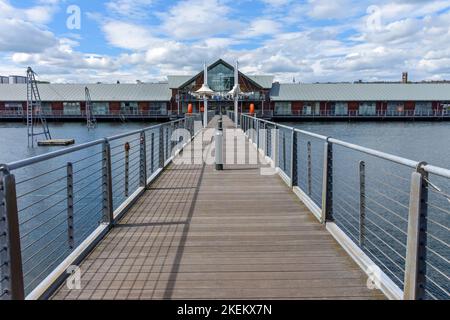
[
  {"x": 152, "y": 153},
  {"x": 294, "y": 158},
  {"x": 327, "y": 191},
  {"x": 143, "y": 161},
  {"x": 257, "y": 135},
  {"x": 219, "y": 145},
  {"x": 127, "y": 169},
  {"x": 284, "y": 151},
  {"x": 309, "y": 169},
  {"x": 166, "y": 139},
  {"x": 70, "y": 225},
  {"x": 13, "y": 284},
  {"x": 275, "y": 146},
  {"x": 161, "y": 147},
  {"x": 362, "y": 202},
  {"x": 108, "y": 209},
  {"x": 415, "y": 269}
]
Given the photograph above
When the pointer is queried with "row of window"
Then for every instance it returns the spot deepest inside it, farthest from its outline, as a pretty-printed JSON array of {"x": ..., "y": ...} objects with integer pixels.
[
  {"x": 98, "y": 108},
  {"x": 364, "y": 109}
]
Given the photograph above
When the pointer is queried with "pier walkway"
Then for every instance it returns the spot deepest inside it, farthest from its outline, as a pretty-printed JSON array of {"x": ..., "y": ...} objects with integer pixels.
[{"x": 198, "y": 233}]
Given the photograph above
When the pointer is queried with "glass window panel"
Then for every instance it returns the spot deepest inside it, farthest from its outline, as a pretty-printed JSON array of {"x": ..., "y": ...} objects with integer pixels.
[
  {"x": 221, "y": 78},
  {"x": 367, "y": 108},
  {"x": 72, "y": 108},
  {"x": 283, "y": 108}
]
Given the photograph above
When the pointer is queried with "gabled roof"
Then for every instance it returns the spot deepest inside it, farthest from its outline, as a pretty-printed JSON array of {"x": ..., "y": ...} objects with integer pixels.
[
  {"x": 177, "y": 81},
  {"x": 262, "y": 81},
  {"x": 361, "y": 92},
  {"x": 99, "y": 92}
]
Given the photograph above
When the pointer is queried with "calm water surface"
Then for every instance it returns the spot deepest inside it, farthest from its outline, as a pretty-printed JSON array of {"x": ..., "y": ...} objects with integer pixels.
[
  {"x": 421, "y": 141},
  {"x": 14, "y": 145}
]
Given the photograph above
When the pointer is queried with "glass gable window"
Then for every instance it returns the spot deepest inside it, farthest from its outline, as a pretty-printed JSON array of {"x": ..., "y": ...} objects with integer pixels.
[
  {"x": 100, "y": 108},
  {"x": 72, "y": 108},
  {"x": 221, "y": 78},
  {"x": 367, "y": 108},
  {"x": 129, "y": 108},
  {"x": 283, "y": 108}
]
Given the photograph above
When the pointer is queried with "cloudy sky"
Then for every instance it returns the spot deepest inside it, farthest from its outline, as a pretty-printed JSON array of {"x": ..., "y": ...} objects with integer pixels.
[{"x": 311, "y": 40}]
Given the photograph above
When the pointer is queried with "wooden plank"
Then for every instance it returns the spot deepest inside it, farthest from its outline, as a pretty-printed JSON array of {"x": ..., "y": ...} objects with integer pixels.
[{"x": 235, "y": 234}]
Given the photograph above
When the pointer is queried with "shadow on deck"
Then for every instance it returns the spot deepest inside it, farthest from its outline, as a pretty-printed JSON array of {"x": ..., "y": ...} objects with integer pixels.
[{"x": 202, "y": 234}]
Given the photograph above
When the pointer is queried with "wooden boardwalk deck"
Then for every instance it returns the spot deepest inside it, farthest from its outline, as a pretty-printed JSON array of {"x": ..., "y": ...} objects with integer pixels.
[{"x": 202, "y": 234}]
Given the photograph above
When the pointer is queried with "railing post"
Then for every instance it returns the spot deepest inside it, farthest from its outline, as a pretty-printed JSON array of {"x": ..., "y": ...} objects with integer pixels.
[
  {"x": 294, "y": 156},
  {"x": 127, "y": 169},
  {"x": 327, "y": 185},
  {"x": 13, "y": 284},
  {"x": 70, "y": 225},
  {"x": 309, "y": 169},
  {"x": 362, "y": 202},
  {"x": 257, "y": 135},
  {"x": 143, "y": 161},
  {"x": 108, "y": 209},
  {"x": 415, "y": 268},
  {"x": 275, "y": 147},
  {"x": 284, "y": 151},
  {"x": 152, "y": 153},
  {"x": 166, "y": 140},
  {"x": 161, "y": 147}
]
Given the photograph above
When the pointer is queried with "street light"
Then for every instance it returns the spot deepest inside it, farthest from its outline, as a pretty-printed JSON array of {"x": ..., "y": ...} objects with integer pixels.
[{"x": 205, "y": 92}]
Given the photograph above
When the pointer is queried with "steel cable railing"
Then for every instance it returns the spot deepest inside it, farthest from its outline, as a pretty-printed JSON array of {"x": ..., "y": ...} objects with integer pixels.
[
  {"x": 395, "y": 210},
  {"x": 62, "y": 198}
]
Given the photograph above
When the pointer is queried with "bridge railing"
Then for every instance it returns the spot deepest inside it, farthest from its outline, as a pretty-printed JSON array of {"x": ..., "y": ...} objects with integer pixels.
[
  {"x": 393, "y": 211},
  {"x": 53, "y": 207}
]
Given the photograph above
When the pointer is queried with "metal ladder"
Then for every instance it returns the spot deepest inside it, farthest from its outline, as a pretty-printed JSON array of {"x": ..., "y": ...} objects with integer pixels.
[
  {"x": 90, "y": 119},
  {"x": 34, "y": 110}
]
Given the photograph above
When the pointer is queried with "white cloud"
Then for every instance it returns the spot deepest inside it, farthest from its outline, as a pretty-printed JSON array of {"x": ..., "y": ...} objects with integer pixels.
[
  {"x": 314, "y": 40},
  {"x": 194, "y": 19}
]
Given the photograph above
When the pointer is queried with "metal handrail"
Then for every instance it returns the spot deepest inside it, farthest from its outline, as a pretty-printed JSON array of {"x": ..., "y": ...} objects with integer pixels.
[
  {"x": 122, "y": 181},
  {"x": 408, "y": 226}
]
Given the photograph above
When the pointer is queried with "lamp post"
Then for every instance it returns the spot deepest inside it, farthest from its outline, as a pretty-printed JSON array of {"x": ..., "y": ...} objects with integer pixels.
[
  {"x": 205, "y": 91},
  {"x": 235, "y": 92}
]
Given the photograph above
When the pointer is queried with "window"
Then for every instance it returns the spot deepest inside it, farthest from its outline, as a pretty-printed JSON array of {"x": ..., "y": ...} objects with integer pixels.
[
  {"x": 129, "y": 108},
  {"x": 424, "y": 108},
  {"x": 367, "y": 108},
  {"x": 72, "y": 108},
  {"x": 158, "y": 108},
  {"x": 445, "y": 106},
  {"x": 221, "y": 78},
  {"x": 395, "y": 108},
  {"x": 283, "y": 108},
  {"x": 339, "y": 108},
  {"x": 46, "y": 108},
  {"x": 100, "y": 108},
  {"x": 311, "y": 108},
  {"x": 14, "y": 107}
]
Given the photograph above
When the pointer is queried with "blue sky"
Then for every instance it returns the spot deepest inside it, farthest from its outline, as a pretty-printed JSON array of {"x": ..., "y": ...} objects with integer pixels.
[{"x": 311, "y": 40}]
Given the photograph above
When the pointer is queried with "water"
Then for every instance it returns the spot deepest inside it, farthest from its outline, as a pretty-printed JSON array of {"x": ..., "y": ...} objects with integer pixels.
[
  {"x": 421, "y": 141},
  {"x": 387, "y": 188},
  {"x": 14, "y": 145}
]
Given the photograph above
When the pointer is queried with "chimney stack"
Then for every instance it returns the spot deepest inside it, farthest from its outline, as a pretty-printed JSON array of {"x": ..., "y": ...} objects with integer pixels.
[{"x": 405, "y": 77}]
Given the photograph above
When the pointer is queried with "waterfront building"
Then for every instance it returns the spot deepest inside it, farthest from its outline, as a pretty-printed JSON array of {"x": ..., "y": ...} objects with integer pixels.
[{"x": 270, "y": 99}]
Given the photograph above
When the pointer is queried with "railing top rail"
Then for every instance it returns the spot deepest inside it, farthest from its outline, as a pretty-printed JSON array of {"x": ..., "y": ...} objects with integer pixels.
[
  {"x": 47, "y": 156},
  {"x": 379, "y": 154}
]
